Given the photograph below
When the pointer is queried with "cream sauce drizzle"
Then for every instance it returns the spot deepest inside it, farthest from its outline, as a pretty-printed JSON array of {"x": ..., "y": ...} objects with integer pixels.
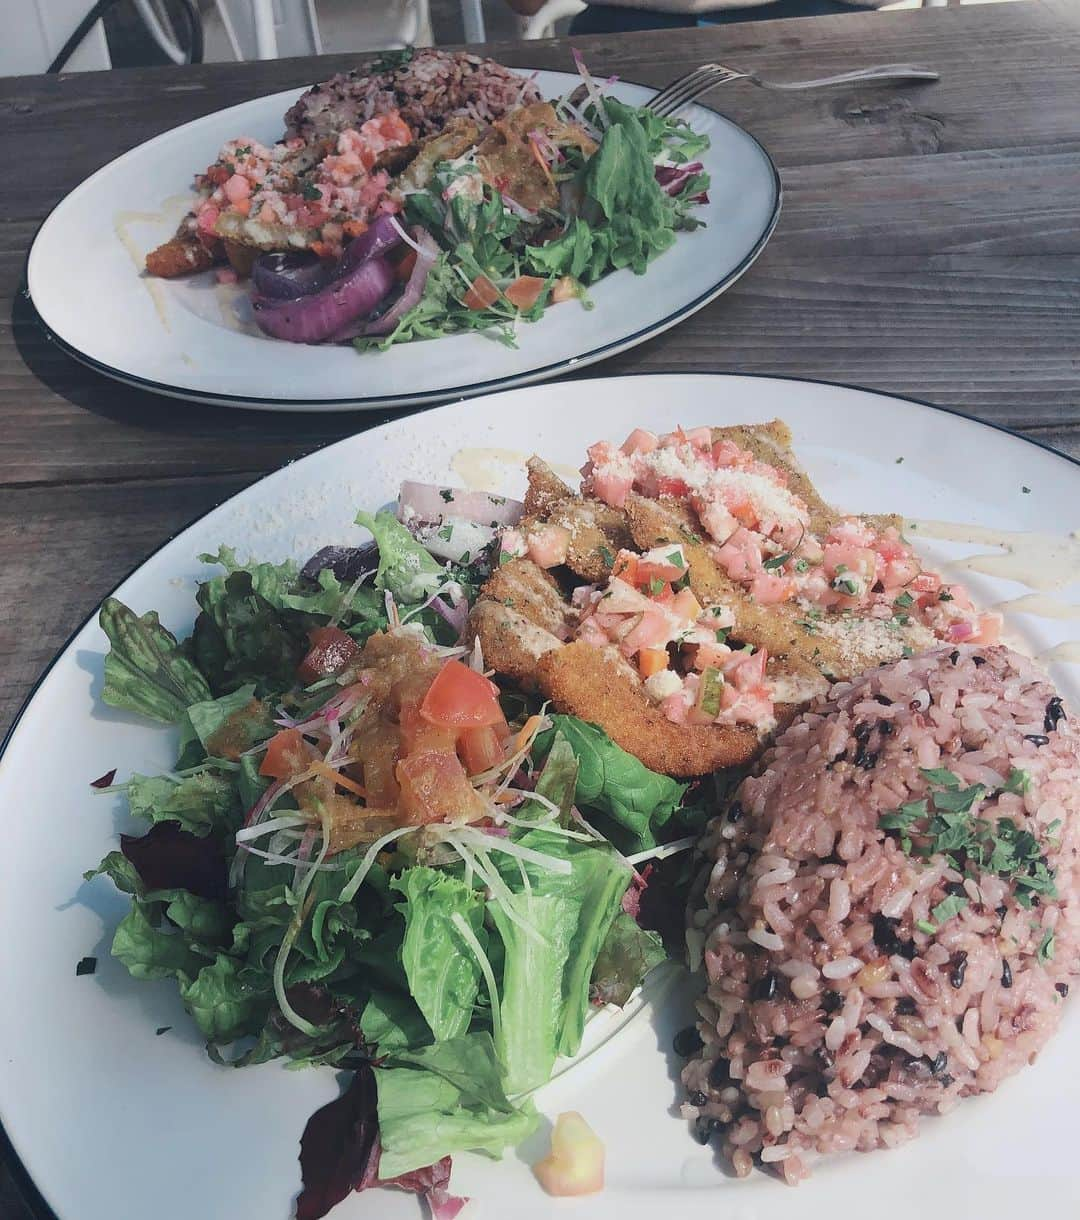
[
  {"x": 122, "y": 222},
  {"x": 1037, "y": 604},
  {"x": 1043, "y": 562},
  {"x": 484, "y": 469},
  {"x": 1067, "y": 650}
]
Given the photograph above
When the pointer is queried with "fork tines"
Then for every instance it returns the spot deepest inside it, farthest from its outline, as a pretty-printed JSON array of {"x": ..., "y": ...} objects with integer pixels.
[{"x": 683, "y": 91}]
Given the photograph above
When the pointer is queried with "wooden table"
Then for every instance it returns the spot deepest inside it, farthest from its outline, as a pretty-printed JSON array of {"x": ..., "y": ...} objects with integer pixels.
[{"x": 929, "y": 245}]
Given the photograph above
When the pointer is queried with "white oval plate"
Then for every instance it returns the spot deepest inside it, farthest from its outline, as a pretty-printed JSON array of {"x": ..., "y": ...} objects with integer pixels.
[
  {"x": 113, "y": 1122},
  {"x": 182, "y": 337}
]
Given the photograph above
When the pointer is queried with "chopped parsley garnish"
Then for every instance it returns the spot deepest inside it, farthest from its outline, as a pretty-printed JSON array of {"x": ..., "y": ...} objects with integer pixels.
[
  {"x": 904, "y": 600},
  {"x": 907, "y": 651},
  {"x": 943, "y": 824},
  {"x": 846, "y": 584},
  {"x": 504, "y": 557},
  {"x": 676, "y": 558},
  {"x": 162, "y": 1029},
  {"x": 903, "y": 620},
  {"x": 690, "y": 536},
  {"x": 1026, "y": 490},
  {"x": 777, "y": 561},
  {"x": 497, "y": 499},
  {"x": 945, "y": 596},
  {"x": 310, "y": 191},
  {"x": 924, "y": 925},
  {"x": 899, "y": 461},
  {"x": 1018, "y": 781},
  {"x": 606, "y": 556},
  {"x": 86, "y": 965},
  {"x": 807, "y": 625},
  {"x": 656, "y": 586},
  {"x": 465, "y": 557},
  {"x": 721, "y": 635},
  {"x": 948, "y": 907},
  {"x": 446, "y": 533},
  {"x": 802, "y": 565},
  {"x": 1046, "y": 949},
  {"x": 447, "y": 494}
]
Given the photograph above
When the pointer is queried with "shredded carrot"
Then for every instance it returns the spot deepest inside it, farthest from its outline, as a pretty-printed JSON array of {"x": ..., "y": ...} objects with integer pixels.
[
  {"x": 534, "y": 144},
  {"x": 528, "y": 731},
  {"x": 343, "y": 781}
]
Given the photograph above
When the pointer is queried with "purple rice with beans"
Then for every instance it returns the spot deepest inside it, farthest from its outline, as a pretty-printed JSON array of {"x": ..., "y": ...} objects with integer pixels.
[
  {"x": 427, "y": 89},
  {"x": 855, "y": 984}
]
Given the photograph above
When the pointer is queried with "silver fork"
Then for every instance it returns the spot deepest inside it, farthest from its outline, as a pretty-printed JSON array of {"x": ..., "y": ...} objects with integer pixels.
[{"x": 694, "y": 84}]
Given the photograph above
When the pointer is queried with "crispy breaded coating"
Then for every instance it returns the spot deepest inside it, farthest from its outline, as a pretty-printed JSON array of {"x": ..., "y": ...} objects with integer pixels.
[
  {"x": 511, "y": 644},
  {"x": 522, "y": 586},
  {"x": 597, "y": 532},
  {"x": 598, "y": 685},
  {"x": 179, "y": 256}
]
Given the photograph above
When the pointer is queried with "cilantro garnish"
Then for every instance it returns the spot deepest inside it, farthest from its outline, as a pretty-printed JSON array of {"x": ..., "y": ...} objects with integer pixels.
[
  {"x": 948, "y": 907},
  {"x": 802, "y": 565},
  {"x": 446, "y": 533},
  {"x": 310, "y": 191},
  {"x": 904, "y": 600},
  {"x": 676, "y": 558},
  {"x": 1046, "y": 949},
  {"x": 945, "y": 596},
  {"x": 924, "y": 925},
  {"x": 1018, "y": 781},
  {"x": 721, "y": 635},
  {"x": 777, "y": 561},
  {"x": 446, "y": 494},
  {"x": 606, "y": 556},
  {"x": 939, "y": 775},
  {"x": 656, "y": 586}
]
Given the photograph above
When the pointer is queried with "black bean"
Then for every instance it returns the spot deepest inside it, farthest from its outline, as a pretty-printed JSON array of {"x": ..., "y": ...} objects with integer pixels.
[
  {"x": 885, "y": 934},
  {"x": 954, "y": 656},
  {"x": 702, "y": 1131},
  {"x": 735, "y": 812},
  {"x": 945, "y": 1080},
  {"x": 1062, "y": 989},
  {"x": 939, "y": 1063},
  {"x": 1001, "y": 911},
  {"x": 1006, "y": 974},
  {"x": 861, "y": 732},
  {"x": 906, "y": 1006},
  {"x": 866, "y": 759},
  {"x": 956, "y": 888},
  {"x": 831, "y": 1001},
  {"x": 697, "y": 1098},
  {"x": 765, "y": 989},
  {"x": 841, "y": 757},
  {"x": 959, "y": 968},
  {"x": 884, "y": 700},
  {"x": 825, "y": 1058},
  {"x": 978, "y": 661},
  {"x": 687, "y": 1042},
  {"x": 884, "y": 727},
  {"x": 1037, "y": 739},
  {"x": 719, "y": 1074},
  {"x": 1054, "y": 714}
]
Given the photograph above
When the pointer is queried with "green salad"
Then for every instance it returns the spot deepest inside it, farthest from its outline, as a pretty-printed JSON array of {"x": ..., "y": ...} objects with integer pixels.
[{"x": 368, "y": 856}]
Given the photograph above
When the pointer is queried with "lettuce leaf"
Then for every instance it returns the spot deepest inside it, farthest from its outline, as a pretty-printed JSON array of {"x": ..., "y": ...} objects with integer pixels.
[
  {"x": 406, "y": 570},
  {"x": 424, "y": 1115},
  {"x": 637, "y": 800},
  {"x": 200, "y": 803},
  {"x": 146, "y": 670},
  {"x": 545, "y": 978},
  {"x": 628, "y": 954},
  {"x": 151, "y": 953},
  {"x": 443, "y": 974},
  {"x": 223, "y": 1002}
]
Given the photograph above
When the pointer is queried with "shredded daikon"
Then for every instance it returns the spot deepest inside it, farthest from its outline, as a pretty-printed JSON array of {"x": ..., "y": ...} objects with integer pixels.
[{"x": 663, "y": 851}]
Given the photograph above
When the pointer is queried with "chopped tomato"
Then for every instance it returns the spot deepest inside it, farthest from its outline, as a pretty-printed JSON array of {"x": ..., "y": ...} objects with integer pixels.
[
  {"x": 481, "y": 295},
  {"x": 481, "y": 749},
  {"x": 420, "y": 734},
  {"x": 677, "y": 488},
  {"x": 640, "y": 441},
  {"x": 686, "y": 605},
  {"x": 331, "y": 650},
  {"x": 649, "y": 570},
  {"x": 461, "y": 698},
  {"x": 548, "y": 544},
  {"x": 435, "y": 788},
  {"x": 404, "y": 269},
  {"x": 524, "y": 292},
  {"x": 287, "y": 754},
  {"x": 652, "y": 661},
  {"x": 626, "y": 567}
]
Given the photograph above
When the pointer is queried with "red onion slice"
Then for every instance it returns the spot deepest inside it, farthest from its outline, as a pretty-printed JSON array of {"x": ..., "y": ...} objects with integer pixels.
[
  {"x": 430, "y": 503},
  {"x": 316, "y": 318},
  {"x": 287, "y": 276},
  {"x": 427, "y": 253}
]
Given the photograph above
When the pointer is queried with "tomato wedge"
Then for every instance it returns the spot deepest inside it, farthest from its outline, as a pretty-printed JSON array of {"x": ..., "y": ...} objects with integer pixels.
[
  {"x": 331, "y": 650},
  {"x": 481, "y": 295},
  {"x": 435, "y": 788},
  {"x": 524, "y": 292},
  {"x": 461, "y": 698},
  {"x": 652, "y": 661},
  {"x": 481, "y": 749},
  {"x": 287, "y": 754}
]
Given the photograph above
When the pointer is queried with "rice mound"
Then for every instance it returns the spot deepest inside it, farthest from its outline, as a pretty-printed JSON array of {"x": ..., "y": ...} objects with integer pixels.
[
  {"x": 428, "y": 88},
  {"x": 831, "y": 1021}
]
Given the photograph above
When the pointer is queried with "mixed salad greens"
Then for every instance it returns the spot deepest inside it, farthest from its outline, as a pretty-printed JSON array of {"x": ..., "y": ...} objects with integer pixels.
[
  {"x": 494, "y": 262},
  {"x": 369, "y": 856}
]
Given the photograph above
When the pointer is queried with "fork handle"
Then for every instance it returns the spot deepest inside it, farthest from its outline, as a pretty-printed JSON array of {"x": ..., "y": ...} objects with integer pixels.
[{"x": 884, "y": 72}]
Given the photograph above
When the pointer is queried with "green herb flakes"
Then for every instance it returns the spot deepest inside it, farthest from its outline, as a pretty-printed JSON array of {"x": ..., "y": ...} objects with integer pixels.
[
  {"x": 948, "y": 907},
  {"x": 447, "y": 495},
  {"x": 1018, "y": 782},
  {"x": 939, "y": 775},
  {"x": 777, "y": 561},
  {"x": 924, "y": 925},
  {"x": 606, "y": 555},
  {"x": 904, "y": 600},
  {"x": 1046, "y": 948}
]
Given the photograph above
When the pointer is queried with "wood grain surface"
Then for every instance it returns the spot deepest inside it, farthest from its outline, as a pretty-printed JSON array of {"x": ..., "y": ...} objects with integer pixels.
[{"x": 929, "y": 245}]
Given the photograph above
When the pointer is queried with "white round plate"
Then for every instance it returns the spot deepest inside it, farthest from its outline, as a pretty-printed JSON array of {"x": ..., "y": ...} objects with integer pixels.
[
  {"x": 111, "y": 1121},
  {"x": 182, "y": 337}
]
